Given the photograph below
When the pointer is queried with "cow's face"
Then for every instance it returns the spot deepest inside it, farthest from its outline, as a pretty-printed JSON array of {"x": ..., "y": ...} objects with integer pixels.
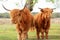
[
  {"x": 16, "y": 16},
  {"x": 47, "y": 11}
]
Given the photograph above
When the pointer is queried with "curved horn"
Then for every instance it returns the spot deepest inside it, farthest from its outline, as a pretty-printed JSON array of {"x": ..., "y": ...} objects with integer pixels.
[
  {"x": 40, "y": 8},
  {"x": 25, "y": 5},
  {"x": 5, "y": 8}
]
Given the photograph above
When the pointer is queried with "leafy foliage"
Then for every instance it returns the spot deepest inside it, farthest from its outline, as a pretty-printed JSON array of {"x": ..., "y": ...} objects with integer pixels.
[
  {"x": 31, "y": 3},
  {"x": 50, "y": 0}
]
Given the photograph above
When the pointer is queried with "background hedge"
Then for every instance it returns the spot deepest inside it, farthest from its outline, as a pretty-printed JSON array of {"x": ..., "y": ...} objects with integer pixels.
[{"x": 6, "y": 15}]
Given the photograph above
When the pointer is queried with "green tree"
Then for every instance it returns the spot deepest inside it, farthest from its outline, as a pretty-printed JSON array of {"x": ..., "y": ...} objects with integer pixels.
[
  {"x": 50, "y": 0},
  {"x": 30, "y": 4}
]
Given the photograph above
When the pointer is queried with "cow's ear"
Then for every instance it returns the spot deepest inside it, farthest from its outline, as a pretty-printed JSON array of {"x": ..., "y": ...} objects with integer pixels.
[{"x": 41, "y": 10}]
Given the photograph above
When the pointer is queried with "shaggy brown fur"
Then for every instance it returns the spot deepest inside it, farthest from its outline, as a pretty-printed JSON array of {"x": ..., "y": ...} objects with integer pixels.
[
  {"x": 42, "y": 22},
  {"x": 23, "y": 20}
]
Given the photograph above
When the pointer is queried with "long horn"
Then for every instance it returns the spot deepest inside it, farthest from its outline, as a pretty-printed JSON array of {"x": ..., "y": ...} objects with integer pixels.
[
  {"x": 40, "y": 8},
  {"x": 25, "y": 5},
  {"x": 5, "y": 8}
]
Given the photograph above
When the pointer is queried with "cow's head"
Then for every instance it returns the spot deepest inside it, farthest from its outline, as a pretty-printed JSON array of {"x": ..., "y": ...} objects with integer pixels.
[
  {"x": 47, "y": 11},
  {"x": 15, "y": 14}
]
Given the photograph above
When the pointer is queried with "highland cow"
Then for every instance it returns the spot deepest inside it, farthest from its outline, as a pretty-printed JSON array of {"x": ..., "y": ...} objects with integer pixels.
[
  {"x": 23, "y": 20},
  {"x": 42, "y": 22}
]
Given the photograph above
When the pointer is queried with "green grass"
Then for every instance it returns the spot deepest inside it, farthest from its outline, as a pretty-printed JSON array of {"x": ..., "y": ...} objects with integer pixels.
[{"x": 8, "y": 32}]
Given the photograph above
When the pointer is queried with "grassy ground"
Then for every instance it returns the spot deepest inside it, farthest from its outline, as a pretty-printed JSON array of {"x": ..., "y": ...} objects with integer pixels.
[{"x": 8, "y": 32}]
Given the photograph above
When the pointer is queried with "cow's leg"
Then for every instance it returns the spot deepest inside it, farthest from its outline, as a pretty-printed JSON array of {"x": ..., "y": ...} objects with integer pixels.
[
  {"x": 46, "y": 33},
  {"x": 47, "y": 29},
  {"x": 42, "y": 34},
  {"x": 38, "y": 37},
  {"x": 19, "y": 36},
  {"x": 24, "y": 35},
  {"x": 19, "y": 31}
]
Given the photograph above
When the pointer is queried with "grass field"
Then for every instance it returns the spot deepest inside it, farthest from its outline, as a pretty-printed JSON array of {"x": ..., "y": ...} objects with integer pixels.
[{"x": 8, "y": 32}]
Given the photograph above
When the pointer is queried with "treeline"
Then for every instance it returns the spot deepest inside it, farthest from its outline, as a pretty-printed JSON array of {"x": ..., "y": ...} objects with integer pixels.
[
  {"x": 6, "y": 15},
  {"x": 54, "y": 15}
]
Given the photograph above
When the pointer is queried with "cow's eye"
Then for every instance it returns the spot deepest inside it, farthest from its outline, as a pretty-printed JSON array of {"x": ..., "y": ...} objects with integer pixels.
[{"x": 19, "y": 14}]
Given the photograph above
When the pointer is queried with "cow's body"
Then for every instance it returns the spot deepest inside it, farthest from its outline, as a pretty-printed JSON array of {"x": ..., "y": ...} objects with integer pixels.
[
  {"x": 23, "y": 20},
  {"x": 42, "y": 22}
]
